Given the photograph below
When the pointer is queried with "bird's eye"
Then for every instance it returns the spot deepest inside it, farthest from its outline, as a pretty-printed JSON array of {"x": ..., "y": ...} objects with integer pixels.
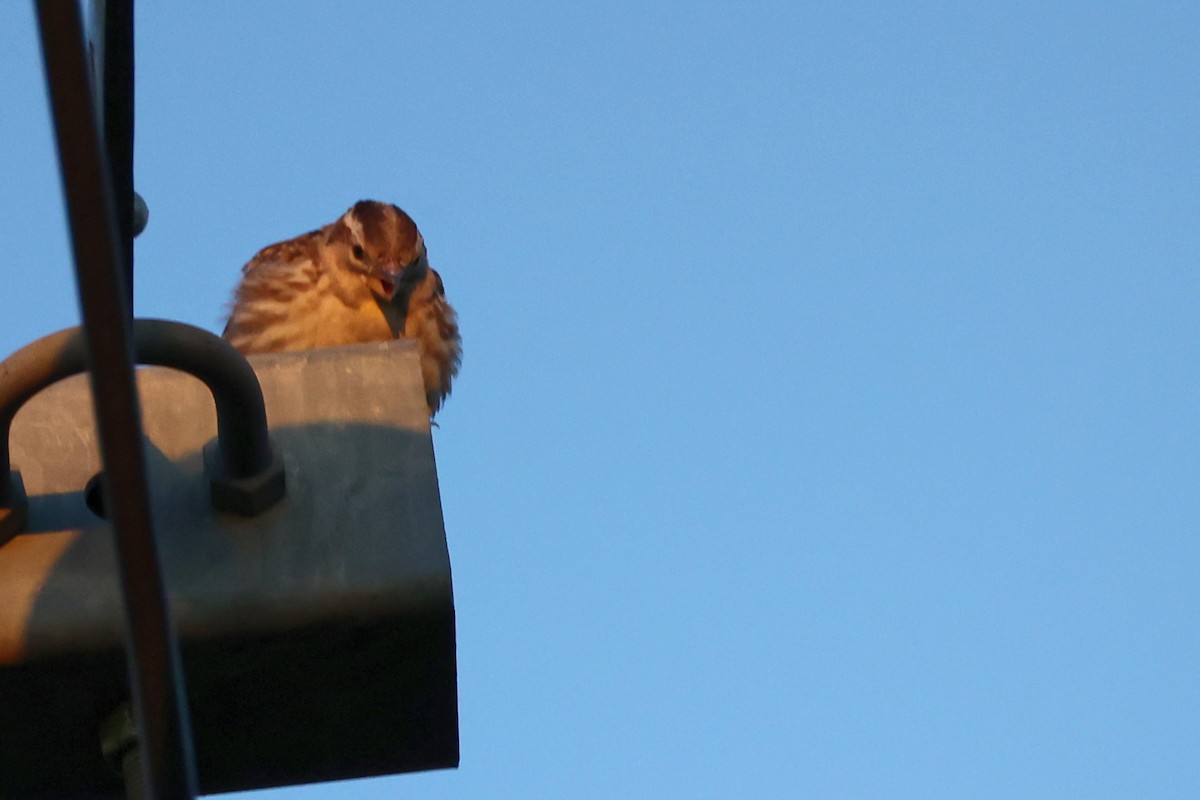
[{"x": 358, "y": 252}]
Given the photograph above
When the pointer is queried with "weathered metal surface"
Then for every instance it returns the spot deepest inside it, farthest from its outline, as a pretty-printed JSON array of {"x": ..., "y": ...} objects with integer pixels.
[{"x": 318, "y": 638}]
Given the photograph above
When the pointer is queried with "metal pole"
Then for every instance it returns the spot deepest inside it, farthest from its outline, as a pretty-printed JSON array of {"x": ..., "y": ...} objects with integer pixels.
[
  {"x": 118, "y": 125},
  {"x": 155, "y": 673}
]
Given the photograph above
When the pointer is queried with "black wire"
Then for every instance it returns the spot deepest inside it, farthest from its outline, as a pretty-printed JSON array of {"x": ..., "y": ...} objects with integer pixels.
[{"x": 155, "y": 674}]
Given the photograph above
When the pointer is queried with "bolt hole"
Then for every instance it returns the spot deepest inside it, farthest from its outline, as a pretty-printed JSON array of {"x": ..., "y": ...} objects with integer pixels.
[{"x": 93, "y": 496}]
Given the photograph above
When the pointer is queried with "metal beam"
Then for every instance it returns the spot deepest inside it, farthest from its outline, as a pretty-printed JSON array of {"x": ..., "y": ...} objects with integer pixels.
[
  {"x": 153, "y": 659},
  {"x": 318, "y": 638}
]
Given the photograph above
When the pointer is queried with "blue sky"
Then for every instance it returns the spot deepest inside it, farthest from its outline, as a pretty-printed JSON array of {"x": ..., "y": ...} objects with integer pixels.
[{"x": 827, "y": 419}]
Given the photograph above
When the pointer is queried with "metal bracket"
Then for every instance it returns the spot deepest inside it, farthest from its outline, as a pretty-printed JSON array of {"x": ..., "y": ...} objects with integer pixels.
[{"x": 246, "y": 472}]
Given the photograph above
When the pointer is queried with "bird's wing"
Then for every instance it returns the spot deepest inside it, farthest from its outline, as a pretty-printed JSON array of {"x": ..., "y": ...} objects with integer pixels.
[
  {"x": 432, "y": 322},
  {"x": 447, "y": 321},
  {"x": 291, "y": 251},
  {"x": 270, "y": 280}
]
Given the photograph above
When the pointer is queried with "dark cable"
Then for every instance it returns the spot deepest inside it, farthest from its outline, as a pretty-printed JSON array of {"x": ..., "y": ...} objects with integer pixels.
[{"x": 156, "y": 677}]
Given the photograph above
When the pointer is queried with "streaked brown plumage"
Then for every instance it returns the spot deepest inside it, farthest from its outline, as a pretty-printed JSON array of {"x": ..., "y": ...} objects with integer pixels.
[{"x": 363, "y": 278}]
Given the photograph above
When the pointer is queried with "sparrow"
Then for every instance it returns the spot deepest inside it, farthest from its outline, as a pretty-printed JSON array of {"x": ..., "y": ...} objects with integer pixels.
[{"x": 364, "y": 278}]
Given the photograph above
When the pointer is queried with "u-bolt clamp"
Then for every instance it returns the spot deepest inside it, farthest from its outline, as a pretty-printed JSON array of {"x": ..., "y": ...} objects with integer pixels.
[{"x": 245, "y": 471}]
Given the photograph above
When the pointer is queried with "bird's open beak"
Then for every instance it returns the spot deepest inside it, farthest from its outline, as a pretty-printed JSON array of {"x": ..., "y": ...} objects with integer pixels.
[{"x": 387, "y": 281}]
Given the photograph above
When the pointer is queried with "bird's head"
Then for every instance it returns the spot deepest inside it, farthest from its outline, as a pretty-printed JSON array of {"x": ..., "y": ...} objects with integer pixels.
[{"x": 381, "y": 244}]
